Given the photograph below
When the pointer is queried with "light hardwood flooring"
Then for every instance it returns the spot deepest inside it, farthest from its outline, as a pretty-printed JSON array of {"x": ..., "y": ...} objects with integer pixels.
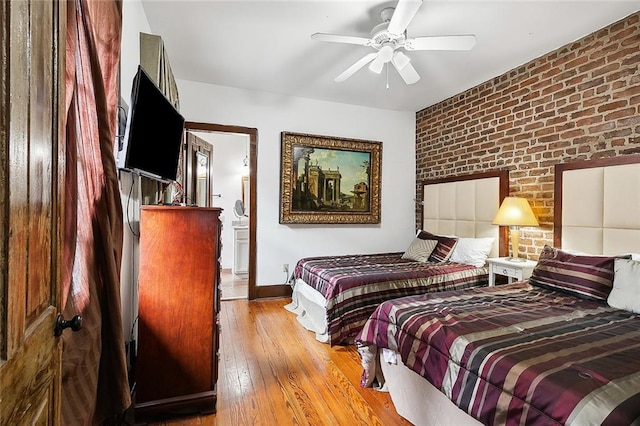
[
  {"x": 274, "y": 372},
  {"x": 232, "y": 286}
]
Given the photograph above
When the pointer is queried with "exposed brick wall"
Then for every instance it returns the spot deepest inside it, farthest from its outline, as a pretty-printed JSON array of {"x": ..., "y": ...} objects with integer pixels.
[{"x": 579, "y": 102}]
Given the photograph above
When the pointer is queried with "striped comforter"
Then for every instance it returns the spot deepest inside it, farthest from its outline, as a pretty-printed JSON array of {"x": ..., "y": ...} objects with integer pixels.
[
  {"x": 516, "y": 354},
  {"x": 354, "y": 285}
]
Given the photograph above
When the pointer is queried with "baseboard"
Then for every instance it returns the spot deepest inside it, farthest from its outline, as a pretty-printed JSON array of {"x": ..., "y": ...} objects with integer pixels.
[
  {"x": 199, "y": 403},
  {"x": 270, "y": 291}
]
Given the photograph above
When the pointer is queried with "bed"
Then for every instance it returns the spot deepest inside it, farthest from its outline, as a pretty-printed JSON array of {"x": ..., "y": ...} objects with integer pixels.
[
  {"x": 560, "y": 348},
  {"x": 334, "y": 295}
]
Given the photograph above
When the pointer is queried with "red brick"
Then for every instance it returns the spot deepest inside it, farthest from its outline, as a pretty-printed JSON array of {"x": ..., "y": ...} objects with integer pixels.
[
  {"x": 591, "y": 65},
  {"x": 591, "y": 82},
  {"x": 572, "y": 134},
  {"x": 564, "y": 93},
  {"x": 612, "y": 106},
  {"x": 627, "y": 112},
  {"x": 606, "y": 69},
  {"x": 621, "y": 54},
  {"x": 583, "y": 113},
  {"x": 624, "y": 73},
  {"x": 552, "y": 89},
  {"x": 596, "y": 101},
  {"x": 631, "y": 60}
]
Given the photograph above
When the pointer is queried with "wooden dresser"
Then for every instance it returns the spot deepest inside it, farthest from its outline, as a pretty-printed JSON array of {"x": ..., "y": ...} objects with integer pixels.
[{"x": 178, "y": 304}]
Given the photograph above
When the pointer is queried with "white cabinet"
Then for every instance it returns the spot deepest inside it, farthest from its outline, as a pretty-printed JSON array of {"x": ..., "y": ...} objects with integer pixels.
[{"x": 241, "y": 250}]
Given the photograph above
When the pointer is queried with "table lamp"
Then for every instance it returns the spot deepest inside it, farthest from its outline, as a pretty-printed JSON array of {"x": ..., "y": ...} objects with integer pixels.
[{"x": 515, "y": 212}]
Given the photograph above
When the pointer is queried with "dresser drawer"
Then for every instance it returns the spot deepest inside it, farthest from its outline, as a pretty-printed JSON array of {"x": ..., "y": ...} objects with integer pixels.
[{"x": 507, "y": 271}]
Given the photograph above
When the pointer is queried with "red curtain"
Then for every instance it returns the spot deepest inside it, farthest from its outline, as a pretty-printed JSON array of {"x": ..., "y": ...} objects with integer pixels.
[{"x": 94, "y": 378}]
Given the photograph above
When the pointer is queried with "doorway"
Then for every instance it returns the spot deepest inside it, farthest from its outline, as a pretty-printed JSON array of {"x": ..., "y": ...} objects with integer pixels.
[
  {"x": 239, "y": 281},
  {"x": 220, "y": 178}
]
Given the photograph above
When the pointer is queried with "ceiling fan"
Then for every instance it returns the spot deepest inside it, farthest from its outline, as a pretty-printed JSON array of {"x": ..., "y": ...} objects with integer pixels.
[{"x": 388, "y": 37}]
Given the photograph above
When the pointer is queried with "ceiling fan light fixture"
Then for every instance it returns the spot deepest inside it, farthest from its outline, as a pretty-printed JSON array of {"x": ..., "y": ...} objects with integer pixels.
[
  {"x": 386, "y": 53},
  {"x": 389, "y": 36},
  {"x": 400, "y": 60}
]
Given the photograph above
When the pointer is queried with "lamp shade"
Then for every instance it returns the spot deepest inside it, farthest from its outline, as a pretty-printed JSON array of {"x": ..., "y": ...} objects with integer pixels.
[{"x": 515, "y": 211}]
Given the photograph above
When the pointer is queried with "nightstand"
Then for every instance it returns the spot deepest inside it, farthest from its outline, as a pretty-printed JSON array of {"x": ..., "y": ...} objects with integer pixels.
[{"x": 516, "y": 270}]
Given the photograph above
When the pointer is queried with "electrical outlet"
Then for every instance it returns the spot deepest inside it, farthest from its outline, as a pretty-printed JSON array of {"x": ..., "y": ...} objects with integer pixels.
[{"x": 285, "y": 268}]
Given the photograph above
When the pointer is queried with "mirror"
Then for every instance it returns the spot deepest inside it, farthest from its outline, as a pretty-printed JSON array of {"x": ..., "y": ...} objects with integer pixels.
[
  {"x": 238, "y": 209},
  {"x": 245, "y": 194},
  {"x": 202, "y": 179}
]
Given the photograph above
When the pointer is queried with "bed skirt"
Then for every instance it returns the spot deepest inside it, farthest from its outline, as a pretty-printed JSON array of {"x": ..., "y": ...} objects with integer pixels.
[
  {"x": 309, "y": 305},
  {"x": 416, "y": 399}
]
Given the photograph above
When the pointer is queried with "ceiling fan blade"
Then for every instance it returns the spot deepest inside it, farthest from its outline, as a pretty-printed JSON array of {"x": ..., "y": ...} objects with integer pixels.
[
  {"x": 336, "y": 38},
  {"x": 402, "y": 16},
  {"x": 355, "y": 67},
  {"x": 377, "y": 64},
  {"x": 407, "y": 71},
  {"x": 455, "y": 42}
]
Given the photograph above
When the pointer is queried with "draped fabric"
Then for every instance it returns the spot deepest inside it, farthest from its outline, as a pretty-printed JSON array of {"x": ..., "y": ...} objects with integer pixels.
[
  {"x": 94, "y": 371},
  {"x": 155, "y": 61}
]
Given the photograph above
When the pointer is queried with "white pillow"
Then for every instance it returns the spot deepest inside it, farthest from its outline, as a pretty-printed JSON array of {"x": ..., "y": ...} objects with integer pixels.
[
  {"x": 419, "y": 250},
  {"x": 472, "y": 251},
  {"x": 625, "y": 293}
]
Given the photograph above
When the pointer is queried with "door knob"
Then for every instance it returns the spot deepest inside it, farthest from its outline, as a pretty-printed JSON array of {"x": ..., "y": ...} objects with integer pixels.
[{"x": 74, "y": 323}]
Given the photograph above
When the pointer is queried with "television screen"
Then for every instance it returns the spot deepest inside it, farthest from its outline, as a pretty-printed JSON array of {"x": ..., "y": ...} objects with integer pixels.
[{"x": 153, "y": 135}]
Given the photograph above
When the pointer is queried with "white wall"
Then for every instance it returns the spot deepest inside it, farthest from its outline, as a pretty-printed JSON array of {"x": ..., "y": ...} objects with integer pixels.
[
  {"x": 271, "y": 114},
  {"x": 134, "y": 21},
  {"x": 229, "y": 150}
]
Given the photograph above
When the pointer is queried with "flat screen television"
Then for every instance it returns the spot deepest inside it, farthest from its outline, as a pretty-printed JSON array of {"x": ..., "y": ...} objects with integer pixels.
[{"x": 153, "y": 135}]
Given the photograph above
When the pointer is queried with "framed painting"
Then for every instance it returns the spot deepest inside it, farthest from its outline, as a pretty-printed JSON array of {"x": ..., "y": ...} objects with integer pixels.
[{"x": 329, "y": 179}]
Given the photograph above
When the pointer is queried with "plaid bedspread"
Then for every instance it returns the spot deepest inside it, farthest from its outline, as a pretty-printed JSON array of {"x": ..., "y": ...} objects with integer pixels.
[
  {"x": 516, "y": 354},
  {"x": 354, "y": 285}
]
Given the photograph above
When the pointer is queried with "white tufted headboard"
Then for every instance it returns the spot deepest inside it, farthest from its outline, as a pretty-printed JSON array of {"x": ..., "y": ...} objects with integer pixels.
[
  {"x": 465, "y": 206},
  {"x": 597, "y": 205}
]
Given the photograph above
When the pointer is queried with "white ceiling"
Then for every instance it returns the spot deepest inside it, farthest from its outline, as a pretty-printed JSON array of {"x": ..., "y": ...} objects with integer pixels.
[{"x": 266, "y": 45}]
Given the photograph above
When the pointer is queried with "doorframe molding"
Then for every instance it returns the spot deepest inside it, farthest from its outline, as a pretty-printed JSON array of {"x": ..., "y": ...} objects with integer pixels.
[{"x": 254, "y": 291}]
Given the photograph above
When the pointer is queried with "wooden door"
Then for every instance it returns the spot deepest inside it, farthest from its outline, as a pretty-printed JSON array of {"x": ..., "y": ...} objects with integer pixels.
[
  {"x": 31, "y": 48},
  {"x": 198, "y": 171}
]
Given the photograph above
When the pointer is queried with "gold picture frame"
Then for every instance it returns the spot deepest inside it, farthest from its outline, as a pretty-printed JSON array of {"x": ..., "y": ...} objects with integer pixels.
[{"x": 328, "y": 179}]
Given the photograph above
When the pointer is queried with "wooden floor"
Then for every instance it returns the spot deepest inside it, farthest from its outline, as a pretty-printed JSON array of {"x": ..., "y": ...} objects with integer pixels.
[
  {"x": 232, "y": 286},
  {"x": 273, "y": 372}
]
